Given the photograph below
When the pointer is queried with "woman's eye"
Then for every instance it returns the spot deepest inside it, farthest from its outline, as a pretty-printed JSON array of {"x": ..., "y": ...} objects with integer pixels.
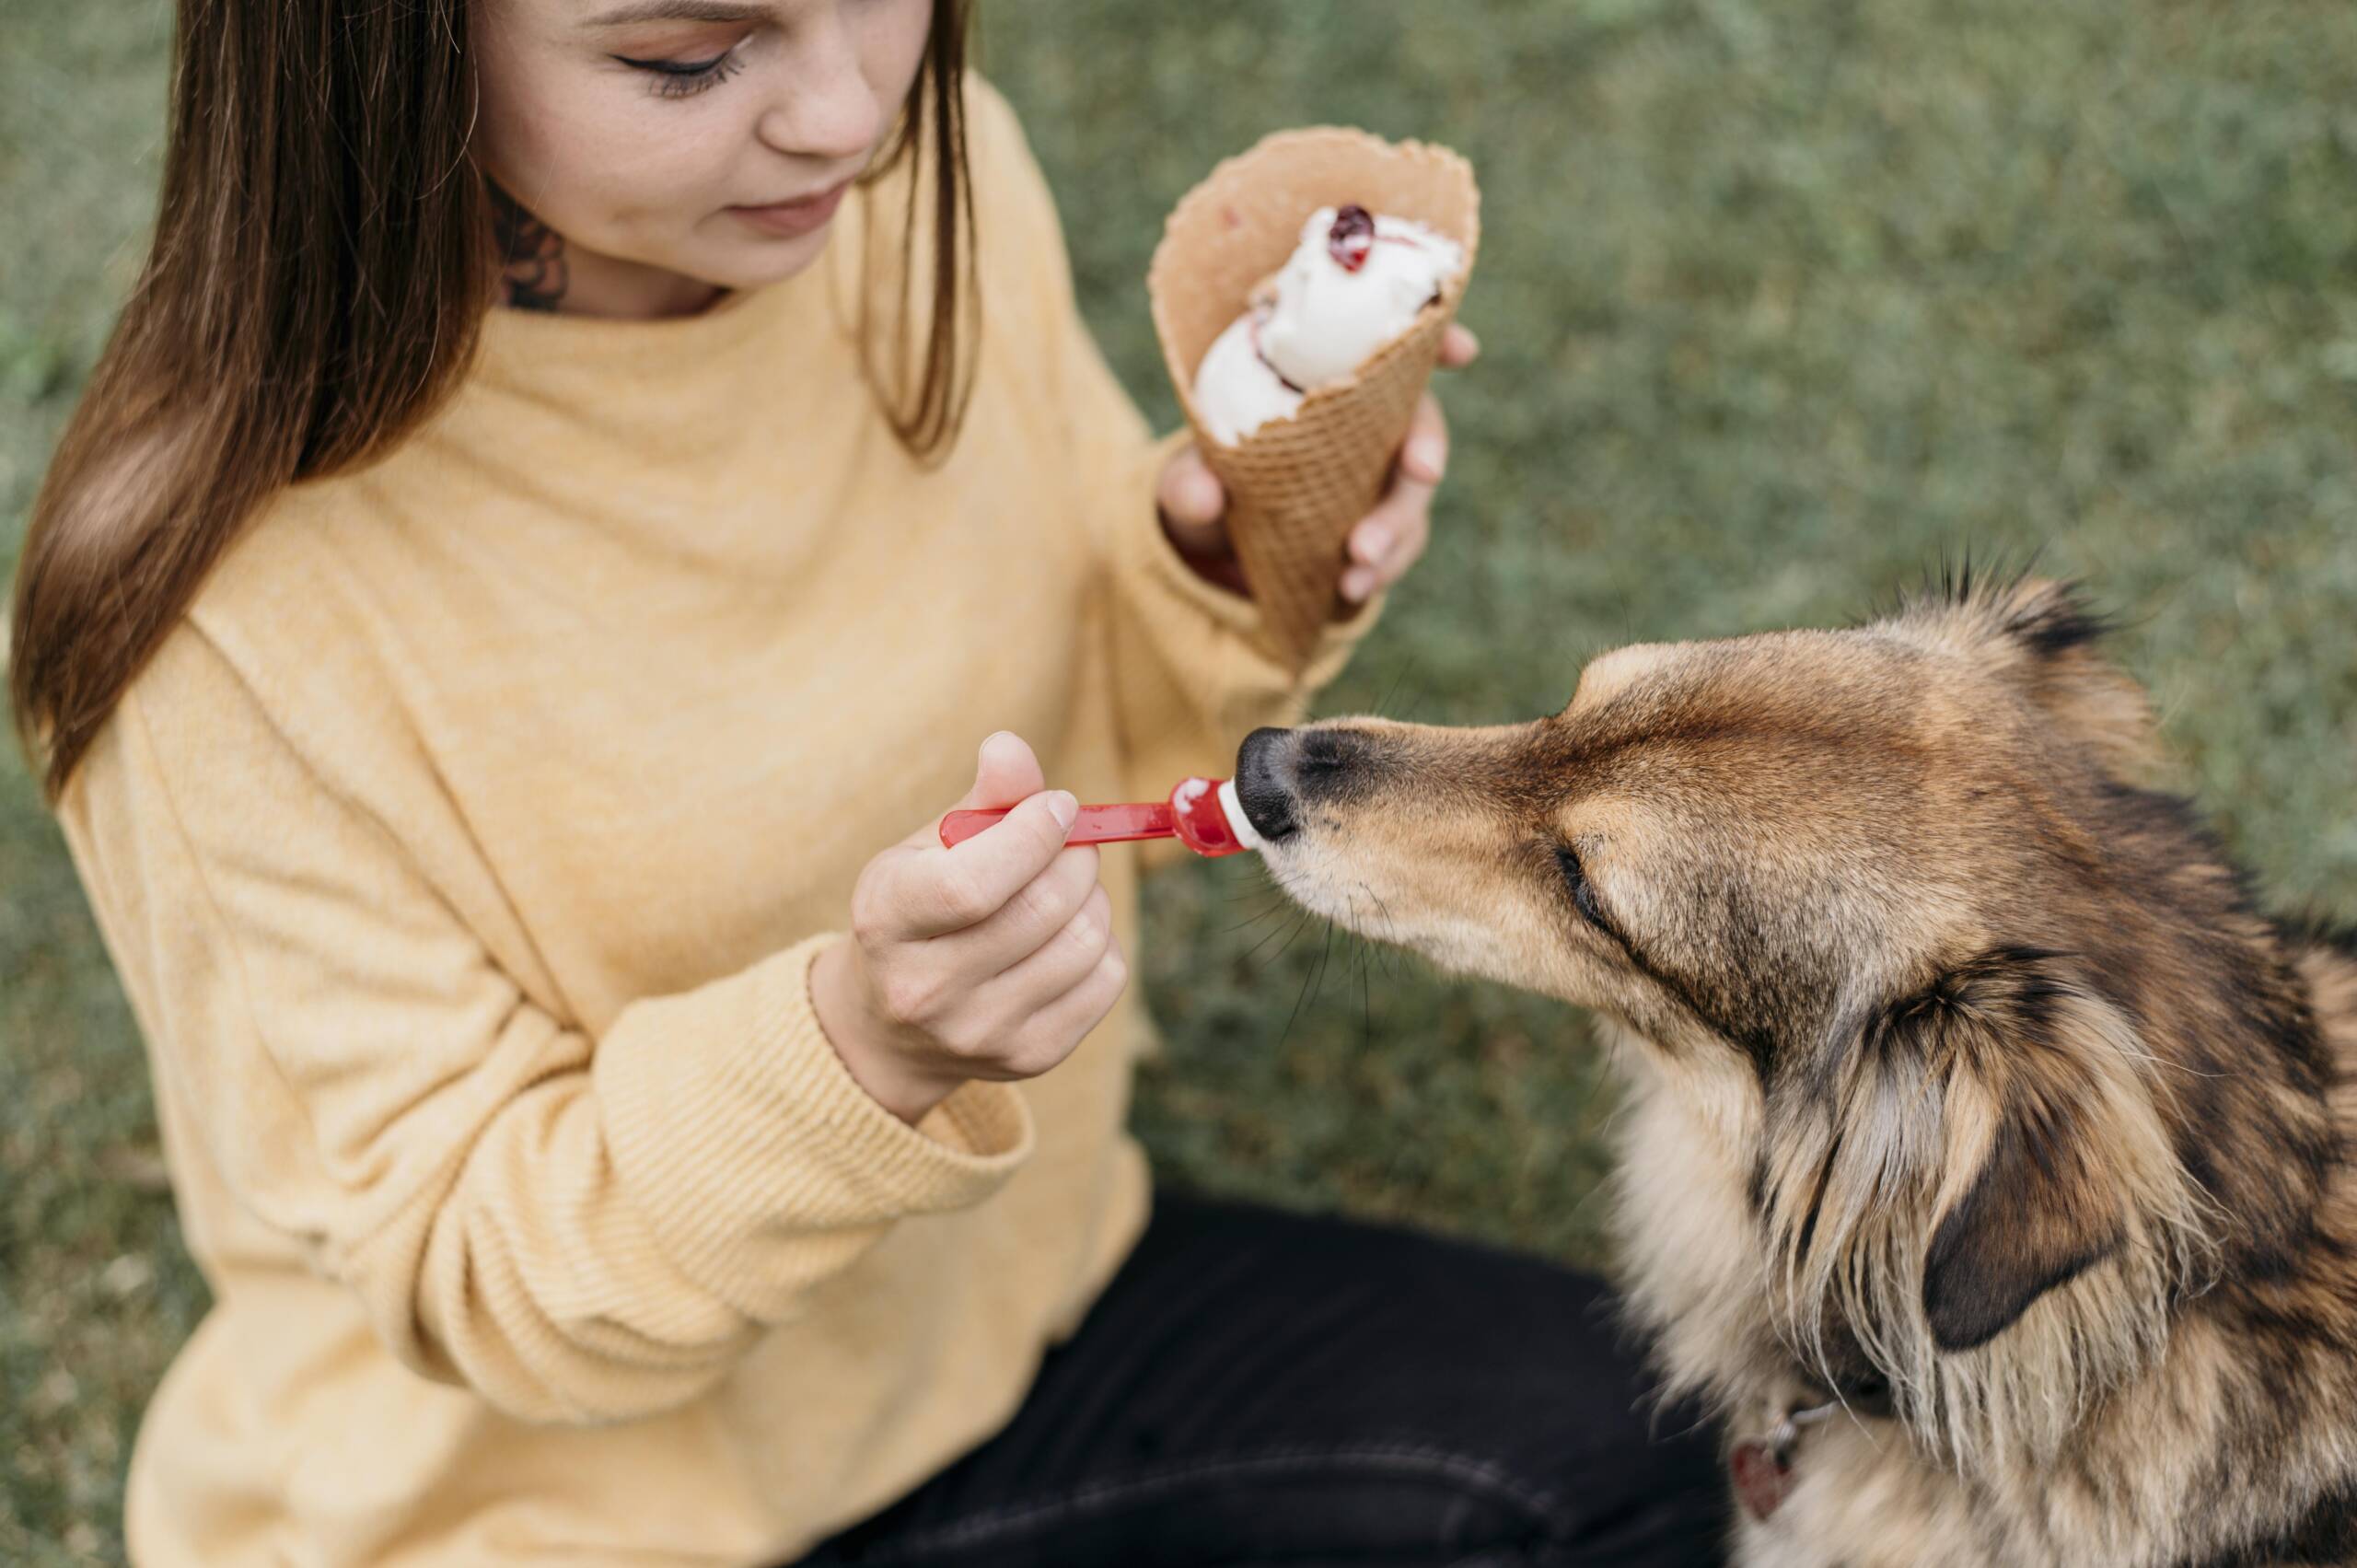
[
  {"x": 1582, "y": 891},
  {"x": 683, "y": 79}
]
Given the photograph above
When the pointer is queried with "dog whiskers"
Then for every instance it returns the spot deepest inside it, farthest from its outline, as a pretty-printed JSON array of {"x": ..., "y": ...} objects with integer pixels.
[
  {"x": 1317, "y": 967},
  {"x": 1397, "y": 681},
  {"x": 1273, "y": 911},
  {"x": 1301, "y": 918}
]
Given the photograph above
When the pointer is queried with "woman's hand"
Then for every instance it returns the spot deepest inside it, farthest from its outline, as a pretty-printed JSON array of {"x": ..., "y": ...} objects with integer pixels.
[
  {"x": 989, "y": 961},
  {"x": 1383, "y": 544}
]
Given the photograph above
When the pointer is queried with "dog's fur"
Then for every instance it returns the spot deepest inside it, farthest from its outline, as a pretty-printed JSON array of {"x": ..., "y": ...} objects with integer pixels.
[{"x": 1964, "y": 1069}]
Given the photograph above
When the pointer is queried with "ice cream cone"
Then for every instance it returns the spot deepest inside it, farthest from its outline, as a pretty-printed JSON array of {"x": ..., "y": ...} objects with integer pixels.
[{"x": 1296, "y": 485}]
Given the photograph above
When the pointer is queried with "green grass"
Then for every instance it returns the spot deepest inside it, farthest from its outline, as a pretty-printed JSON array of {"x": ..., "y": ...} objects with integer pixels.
[{"x": 1782, "y": 302}]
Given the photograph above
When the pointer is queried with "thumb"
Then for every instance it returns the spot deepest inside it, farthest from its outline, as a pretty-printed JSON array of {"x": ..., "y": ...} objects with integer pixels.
[
  {"x": 1005, "y": 772},
  {"x": 1193, "y": 503}
]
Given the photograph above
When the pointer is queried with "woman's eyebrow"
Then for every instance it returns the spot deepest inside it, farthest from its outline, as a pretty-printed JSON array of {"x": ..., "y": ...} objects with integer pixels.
[{"x": 679, "y": 11}]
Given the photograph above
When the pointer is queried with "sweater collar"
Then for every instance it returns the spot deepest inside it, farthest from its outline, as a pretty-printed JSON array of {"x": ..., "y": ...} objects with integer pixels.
[{"x": 537, "y": 352}]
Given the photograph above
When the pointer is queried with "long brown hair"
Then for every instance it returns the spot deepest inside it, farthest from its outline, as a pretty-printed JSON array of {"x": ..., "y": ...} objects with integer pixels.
[{"x": 322, "y": 259}]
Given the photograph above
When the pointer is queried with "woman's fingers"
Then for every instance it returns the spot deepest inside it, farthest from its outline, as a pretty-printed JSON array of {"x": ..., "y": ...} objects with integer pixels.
[
  {"x": 1082, "y": 1007},
  {"x": 1458, "y": 347},
  {"x": 1194, "y": 504},
  {"x": 1058, "y": 963},
  {"x": 926, "y": 891},
  {"x": 1029, "y": 920},
  {"x": 1390, "y": 538},
  {"x": 1423, "y": 456}
]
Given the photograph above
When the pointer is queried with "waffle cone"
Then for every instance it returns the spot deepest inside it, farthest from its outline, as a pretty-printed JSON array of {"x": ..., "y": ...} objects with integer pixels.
[{"x": 1296, "y": 485}]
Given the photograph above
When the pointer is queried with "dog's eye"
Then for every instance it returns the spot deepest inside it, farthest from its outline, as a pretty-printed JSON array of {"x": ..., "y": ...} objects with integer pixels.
[{"x": 1582, "y": 891}]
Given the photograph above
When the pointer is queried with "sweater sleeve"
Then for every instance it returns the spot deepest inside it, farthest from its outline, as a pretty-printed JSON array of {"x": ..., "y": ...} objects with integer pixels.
[
  {"x": 1193, "y": 668},
  {"x": 577, "y": 1229}
]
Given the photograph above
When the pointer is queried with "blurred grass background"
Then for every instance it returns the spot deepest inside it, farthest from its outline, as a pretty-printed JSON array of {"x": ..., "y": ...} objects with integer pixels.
[{"x": 1782, "y": 302}]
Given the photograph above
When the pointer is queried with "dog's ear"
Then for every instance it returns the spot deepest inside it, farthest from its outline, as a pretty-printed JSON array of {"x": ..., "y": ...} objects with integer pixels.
[
  {"x": 2040, "y": 1117},
  {"x": 2043, "y": 638}
]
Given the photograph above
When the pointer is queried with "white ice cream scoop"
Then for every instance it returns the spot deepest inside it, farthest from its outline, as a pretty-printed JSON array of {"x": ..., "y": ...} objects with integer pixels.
[
  {"x": 1356, "y": 282},
  {"x": 1236, "y": 390}
]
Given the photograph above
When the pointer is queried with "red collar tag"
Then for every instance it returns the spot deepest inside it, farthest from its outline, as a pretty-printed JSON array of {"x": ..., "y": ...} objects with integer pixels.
[{"x": 1761, "y": 1479}]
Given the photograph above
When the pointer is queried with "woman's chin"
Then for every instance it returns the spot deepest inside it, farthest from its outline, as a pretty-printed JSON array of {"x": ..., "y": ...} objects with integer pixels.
[
  {"x": 685, "y": 281},
  {"x": 750, "y": 258}
]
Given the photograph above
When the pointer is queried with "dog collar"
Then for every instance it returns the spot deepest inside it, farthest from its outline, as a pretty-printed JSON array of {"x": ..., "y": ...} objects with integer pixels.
[{"x": 1762, "y": 1468}]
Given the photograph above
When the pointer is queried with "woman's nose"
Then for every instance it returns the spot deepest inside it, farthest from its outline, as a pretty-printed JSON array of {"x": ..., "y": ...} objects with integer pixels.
[{"x": 828, "y": 109}]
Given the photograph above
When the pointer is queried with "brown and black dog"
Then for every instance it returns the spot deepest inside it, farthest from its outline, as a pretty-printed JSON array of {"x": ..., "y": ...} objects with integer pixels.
[{"x": 1989, "y": 1164}]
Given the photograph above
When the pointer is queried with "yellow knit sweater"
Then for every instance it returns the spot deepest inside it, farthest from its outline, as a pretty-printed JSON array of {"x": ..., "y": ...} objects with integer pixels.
[{"x": 463, "y": 854}]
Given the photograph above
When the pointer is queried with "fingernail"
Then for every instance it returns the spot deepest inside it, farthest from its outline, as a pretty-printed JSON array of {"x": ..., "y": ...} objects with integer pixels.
[
  {"x": 1357, "y": 582},
  {"x": 1426, "y": 453},
  {"x": 1062, "y": 807},
  {"x": 1372, "y": 543}
]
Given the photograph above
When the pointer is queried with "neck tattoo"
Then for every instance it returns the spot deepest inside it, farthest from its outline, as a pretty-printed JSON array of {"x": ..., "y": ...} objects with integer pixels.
[{"x": 535, "y": 274}]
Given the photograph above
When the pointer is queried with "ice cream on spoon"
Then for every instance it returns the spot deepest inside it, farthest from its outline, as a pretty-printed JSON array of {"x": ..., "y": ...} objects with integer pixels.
[
  {"x": 1203, "y": 814},
  {"x": 1356, "y": 282}
]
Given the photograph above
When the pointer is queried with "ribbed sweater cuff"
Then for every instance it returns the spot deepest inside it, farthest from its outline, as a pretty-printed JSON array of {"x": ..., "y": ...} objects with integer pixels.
[{"x": 758, "y": 1159}]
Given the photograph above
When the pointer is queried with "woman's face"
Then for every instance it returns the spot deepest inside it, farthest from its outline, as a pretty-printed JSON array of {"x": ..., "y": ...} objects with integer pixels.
[{"x": 680, "y": 146}]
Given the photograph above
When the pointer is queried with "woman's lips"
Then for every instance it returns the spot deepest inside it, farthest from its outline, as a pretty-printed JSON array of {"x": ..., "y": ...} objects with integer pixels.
[{"x": 789, "y": 220}]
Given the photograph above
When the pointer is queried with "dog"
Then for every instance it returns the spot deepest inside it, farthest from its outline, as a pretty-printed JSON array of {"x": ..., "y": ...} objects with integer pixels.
[{"x": 1986, "y": 1165}]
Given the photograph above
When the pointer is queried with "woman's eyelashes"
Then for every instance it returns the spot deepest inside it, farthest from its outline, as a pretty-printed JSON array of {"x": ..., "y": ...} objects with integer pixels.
[{"x": 685, "y": 78}]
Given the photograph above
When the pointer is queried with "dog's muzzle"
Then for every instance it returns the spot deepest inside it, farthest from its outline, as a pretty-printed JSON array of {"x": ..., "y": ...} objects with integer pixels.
[{"x": 1281, "y": 774}]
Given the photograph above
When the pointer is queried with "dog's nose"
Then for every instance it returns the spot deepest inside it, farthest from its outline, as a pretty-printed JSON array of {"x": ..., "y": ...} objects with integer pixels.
[{"x": 1264, "y": 782}]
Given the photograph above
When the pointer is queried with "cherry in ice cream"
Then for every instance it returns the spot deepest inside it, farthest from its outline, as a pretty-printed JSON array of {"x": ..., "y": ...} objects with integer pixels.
[{"x": 1352, "y": 238}]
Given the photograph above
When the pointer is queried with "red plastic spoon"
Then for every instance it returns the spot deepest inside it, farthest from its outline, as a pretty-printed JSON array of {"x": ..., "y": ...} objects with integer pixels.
[{"x": 1203, "y": 814}]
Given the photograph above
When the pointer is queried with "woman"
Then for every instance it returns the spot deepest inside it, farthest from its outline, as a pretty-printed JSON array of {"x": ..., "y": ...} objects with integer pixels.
[{"x": 571, "y": 482}]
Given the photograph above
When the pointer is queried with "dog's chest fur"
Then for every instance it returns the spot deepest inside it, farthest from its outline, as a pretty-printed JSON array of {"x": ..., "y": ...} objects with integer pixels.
[{"x": 2233, "y": 1447}]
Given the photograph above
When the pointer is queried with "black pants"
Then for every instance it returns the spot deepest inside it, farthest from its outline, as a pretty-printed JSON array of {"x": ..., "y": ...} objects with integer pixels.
[{"x": 1257, "y": 1388}]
